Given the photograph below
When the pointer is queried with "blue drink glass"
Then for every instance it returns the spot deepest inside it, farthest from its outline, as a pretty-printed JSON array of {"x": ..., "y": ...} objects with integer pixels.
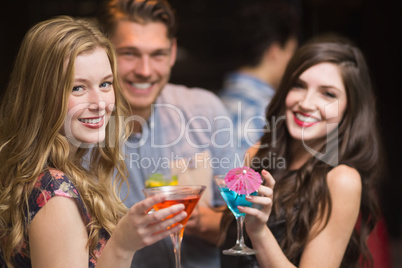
[{"x": 233, "y": 200}]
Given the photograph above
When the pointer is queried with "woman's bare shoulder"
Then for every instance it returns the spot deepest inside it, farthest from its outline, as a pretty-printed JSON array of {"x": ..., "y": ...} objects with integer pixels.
[{"x": 344, "y": 179}]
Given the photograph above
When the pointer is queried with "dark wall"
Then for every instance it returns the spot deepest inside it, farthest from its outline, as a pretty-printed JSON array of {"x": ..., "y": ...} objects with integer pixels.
[{"x": 204, "y": 58}]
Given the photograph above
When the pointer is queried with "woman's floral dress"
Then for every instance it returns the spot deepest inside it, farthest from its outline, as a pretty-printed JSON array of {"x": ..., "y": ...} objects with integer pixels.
[{"x": 49, "y": 184}]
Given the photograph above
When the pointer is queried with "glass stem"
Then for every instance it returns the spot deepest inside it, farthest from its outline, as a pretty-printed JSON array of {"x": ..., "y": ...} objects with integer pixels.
[
  {"x": 240, "y": 237},
  {"x": 176, "y": 240}
]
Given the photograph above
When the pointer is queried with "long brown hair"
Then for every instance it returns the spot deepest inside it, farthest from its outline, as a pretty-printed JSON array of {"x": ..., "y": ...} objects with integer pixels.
[
  {"x": 355, "y": 144},
  {"x": 31, "y": 141},
  {"x": 303, "y": 197}
]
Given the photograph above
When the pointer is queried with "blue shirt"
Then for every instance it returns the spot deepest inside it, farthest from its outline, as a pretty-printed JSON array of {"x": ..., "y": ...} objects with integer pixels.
[
  {"x": 188, "y": 135},
  {"x": 246, "y": 99}
]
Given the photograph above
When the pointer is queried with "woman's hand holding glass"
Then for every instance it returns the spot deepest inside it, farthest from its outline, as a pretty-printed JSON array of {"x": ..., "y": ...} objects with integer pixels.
[
  {"x": 138, "y": 228},
  {"x": 257, "y": 215}
]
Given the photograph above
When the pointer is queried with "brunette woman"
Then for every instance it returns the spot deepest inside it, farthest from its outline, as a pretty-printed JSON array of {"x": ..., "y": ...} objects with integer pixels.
[{"x": 322, "y": 123}]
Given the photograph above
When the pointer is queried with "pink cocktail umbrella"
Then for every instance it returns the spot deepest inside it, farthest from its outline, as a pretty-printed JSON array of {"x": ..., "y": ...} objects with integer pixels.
[{"x": 243, "y": 180}]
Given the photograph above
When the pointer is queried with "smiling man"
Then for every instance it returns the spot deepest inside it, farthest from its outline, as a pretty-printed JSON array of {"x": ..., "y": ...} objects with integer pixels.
[
  {"x": 145, "y": 58},
  {"x": 176, "y": 130}
]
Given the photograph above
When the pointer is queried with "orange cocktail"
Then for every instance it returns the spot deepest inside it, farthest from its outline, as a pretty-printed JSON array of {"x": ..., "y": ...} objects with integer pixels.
[
  {"x": 179, "y": 194},
  {"x": 189, "y": 203}
]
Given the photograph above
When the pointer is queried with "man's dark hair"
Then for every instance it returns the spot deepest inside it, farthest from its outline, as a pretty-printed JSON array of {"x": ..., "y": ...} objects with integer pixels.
[
  {"x": 139, "y": 11},
  {"x": 260, "y": 24}
]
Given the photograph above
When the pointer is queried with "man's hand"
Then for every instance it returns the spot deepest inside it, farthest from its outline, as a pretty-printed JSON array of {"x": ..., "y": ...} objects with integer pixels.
[{"x": 204, "y": 223}]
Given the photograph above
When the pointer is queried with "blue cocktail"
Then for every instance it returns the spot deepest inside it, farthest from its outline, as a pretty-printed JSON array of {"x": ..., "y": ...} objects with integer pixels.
[{"x": 233, "y": 200}]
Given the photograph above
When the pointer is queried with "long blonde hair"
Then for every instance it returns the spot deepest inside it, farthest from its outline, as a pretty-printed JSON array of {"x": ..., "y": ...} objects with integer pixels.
[{"x": 31, "y": 117}]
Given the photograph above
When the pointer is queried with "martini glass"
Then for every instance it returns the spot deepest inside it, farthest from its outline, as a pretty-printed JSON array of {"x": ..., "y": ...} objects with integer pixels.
[
  {"x": 188, "y": 195},
  {"x": 233, "y": 200}
]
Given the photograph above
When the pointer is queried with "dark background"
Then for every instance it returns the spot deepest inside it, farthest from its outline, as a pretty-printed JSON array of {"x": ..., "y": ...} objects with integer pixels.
[{"x": 204, "y": 55}]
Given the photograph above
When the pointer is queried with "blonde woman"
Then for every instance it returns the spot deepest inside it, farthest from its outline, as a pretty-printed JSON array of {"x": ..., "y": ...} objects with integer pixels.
[{"x": 55, "y": 209}]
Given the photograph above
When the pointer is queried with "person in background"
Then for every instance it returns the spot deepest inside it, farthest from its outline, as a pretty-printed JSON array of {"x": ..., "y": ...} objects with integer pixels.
[
  {"x": 325, "y": 199},
  {"x": 265, "y": 36},
  {"x": 176, "y": 130},
  {"x": 55, "y": 209}
]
